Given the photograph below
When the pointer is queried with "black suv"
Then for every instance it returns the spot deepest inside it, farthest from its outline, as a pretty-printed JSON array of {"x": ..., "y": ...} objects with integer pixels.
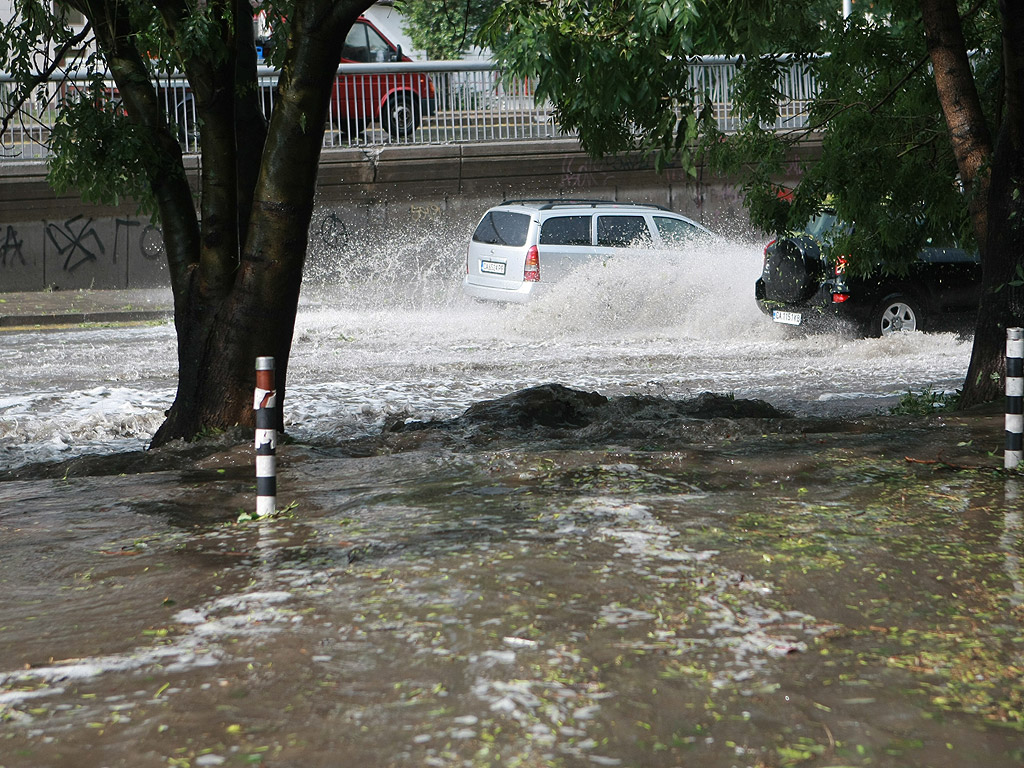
[{"x": 802, "y": 284}]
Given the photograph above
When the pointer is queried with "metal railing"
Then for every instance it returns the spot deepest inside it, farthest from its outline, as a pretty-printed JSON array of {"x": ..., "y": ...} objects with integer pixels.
[{"x": 435, "y": 102}]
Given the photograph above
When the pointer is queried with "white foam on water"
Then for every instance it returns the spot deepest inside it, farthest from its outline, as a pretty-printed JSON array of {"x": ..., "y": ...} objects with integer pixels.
[
  {"x": 52, "y": 425},
  {"x": 392, "y": 336},
  {"x": 704, "y": 292},
  {"x": 200, "y": 640}
]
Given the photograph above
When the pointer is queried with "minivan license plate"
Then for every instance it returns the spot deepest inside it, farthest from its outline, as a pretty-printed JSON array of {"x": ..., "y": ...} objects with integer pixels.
[
  {"x": 789, "y": 318},
  {"x": 492, "y": 267}
]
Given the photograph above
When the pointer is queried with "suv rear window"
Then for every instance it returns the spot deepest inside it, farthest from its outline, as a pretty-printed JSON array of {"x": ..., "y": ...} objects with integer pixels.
[
  {"x": 621, "y": 231},
  {"x": 566, "y": 230},
  {"x": 821, "y": 225},
  {"x": 502, "y": 228}
]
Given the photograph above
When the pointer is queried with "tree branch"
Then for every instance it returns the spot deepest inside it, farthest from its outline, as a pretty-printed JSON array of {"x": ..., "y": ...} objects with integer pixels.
[
  {"x": 164, "y": 169},
  {"x": 39, "y": 78}
]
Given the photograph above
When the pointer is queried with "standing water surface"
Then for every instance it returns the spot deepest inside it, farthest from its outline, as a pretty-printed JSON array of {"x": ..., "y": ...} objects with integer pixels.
[{"x": 647, "y": 589}]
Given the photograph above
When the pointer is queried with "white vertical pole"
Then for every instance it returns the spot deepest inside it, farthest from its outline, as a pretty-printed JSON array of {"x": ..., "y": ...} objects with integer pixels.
[
  {"x": 1014, "y": 397},
  {"x": 265, "y": 404}
]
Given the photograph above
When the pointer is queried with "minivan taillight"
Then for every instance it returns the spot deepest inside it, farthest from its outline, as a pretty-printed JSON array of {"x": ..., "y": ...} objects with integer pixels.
[
  {"x": 840, "y": 268},
  {"x": 531, "y": 271}
]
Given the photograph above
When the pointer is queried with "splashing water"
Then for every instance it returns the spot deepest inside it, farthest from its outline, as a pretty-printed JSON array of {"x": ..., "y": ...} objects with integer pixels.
[{"x": 390, "y": 333}]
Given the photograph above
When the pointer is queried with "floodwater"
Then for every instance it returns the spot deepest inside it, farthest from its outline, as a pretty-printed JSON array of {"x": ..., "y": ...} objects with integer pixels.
[{"x": 643, "y": 586}]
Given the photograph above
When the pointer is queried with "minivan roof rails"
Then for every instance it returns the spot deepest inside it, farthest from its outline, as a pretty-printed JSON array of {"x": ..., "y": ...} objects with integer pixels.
[{"x": 548, "y": 203}]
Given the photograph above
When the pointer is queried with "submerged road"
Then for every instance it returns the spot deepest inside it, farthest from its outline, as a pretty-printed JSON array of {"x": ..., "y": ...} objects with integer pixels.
[
  {"x": 683, "y": 591},
  {"x": 402, "y": 339}
]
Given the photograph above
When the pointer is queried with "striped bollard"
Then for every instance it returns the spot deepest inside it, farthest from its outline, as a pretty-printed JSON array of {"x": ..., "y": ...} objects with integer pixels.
[
  {"x": 1014, "y": 397},
  {"x": 265, "y": 404}
]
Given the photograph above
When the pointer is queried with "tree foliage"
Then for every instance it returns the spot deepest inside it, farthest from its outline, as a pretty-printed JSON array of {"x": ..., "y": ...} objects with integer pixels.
[
  {"x": 445, "y": 29},
  {"x": 619, "y": 72}
]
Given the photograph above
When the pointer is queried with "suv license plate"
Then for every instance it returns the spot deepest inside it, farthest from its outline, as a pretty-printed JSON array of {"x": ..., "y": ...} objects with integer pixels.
[
  {"x": 492, "y": 267},
  {"x": 789, "y": 318}
]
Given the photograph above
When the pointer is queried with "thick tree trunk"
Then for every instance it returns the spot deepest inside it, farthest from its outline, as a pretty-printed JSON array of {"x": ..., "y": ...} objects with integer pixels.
[
  {"x": 221, "y": 333},
  {"x": 958, "y": 94},
  {"x": 1002, "y": 304}
]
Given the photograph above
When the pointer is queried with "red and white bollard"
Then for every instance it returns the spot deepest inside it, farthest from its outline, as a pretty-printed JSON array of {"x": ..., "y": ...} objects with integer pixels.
[{"x": 265, "y": 404}]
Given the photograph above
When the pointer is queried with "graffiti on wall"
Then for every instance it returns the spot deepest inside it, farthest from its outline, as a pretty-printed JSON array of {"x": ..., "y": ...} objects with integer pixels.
[
  {"x": 81, "y": 252},
  {"x": 330, "y": 232},
  {"x": 76, "y": 241},
  {"x": 11, "y": 249},
  {"x": 149, "y": 244},
  {"x": 425, "y": 212}
]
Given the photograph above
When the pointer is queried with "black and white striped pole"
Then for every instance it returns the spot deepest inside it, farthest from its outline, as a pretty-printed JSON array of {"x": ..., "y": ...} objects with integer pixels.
[
  {"x": 265, "y": 404},
  {"x": 1014, "y": 397}
]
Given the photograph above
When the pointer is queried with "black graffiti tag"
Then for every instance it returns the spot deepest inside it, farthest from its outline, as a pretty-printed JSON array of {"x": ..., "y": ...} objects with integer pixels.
[
  {"x": 150, "y": 245},
  {"x": 11, "y": 247},
  {"x": 72, "y": 244},
  {"x": 151, "y": 242},
  {"x": 128, "y": 225},
  {"x": 332, "y": 232}
]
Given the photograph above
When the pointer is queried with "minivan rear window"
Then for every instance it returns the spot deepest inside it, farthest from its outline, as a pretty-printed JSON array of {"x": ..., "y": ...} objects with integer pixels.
[
  {"x": 566, "y": 230},
  {"x": 502, "y": 228},
  {"x": 621, "y": 231}
]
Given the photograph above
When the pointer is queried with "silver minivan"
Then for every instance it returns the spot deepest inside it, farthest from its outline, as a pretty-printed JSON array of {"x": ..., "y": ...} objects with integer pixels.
[{"x": 522, "y": 246}]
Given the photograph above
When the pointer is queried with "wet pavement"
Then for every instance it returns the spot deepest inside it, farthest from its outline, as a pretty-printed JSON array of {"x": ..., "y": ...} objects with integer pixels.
[{"x": 30, "y": 309}]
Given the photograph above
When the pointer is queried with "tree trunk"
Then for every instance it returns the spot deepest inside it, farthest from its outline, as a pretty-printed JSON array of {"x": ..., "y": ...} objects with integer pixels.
[
  {"x": 958, "y": 94},
  {"x": 222, "y": 332},
  {"x": 1002, "y": 304}
]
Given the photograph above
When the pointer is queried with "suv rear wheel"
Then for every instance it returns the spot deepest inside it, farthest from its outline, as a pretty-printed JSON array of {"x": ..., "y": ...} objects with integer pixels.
[
  {"x": 401, "y": 115},
  {"x": 895, "y": 314}
]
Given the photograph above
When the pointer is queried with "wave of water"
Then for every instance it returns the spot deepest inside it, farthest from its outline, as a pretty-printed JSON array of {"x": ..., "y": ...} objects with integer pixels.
[{"x": 399, "y": 338}]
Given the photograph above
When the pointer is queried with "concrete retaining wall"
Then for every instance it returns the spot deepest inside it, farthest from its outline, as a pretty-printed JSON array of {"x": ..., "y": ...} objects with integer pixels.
[{"x": 371, "y": 195}]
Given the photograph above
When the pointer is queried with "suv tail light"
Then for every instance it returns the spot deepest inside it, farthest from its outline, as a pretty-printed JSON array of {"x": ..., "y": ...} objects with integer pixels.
[
  {"x": 840, "y": 266},
  {"x": 531, "y": 271}
]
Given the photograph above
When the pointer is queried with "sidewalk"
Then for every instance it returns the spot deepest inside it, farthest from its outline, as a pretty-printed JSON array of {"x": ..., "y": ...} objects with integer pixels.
[{"x": 55, "y": 308}]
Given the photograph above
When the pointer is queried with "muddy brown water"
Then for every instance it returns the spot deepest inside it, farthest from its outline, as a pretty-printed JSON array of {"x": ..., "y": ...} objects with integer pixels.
[
  {"x": 654, "y": 581},
  {"x": 654, "y": 589}
]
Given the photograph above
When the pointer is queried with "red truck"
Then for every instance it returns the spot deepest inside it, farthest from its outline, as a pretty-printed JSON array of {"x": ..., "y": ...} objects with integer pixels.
[{"x": 396, "y": 100}]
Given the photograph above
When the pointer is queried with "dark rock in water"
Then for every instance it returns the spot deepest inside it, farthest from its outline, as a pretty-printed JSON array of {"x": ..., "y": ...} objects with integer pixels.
[
  {"x": 552, "y": 412},
  {"x": 707, "y": 405},
  {"x": 547, "y": 405},
  {"x": 557, "y": 407},
  {"x": 552, "y": 405}
]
